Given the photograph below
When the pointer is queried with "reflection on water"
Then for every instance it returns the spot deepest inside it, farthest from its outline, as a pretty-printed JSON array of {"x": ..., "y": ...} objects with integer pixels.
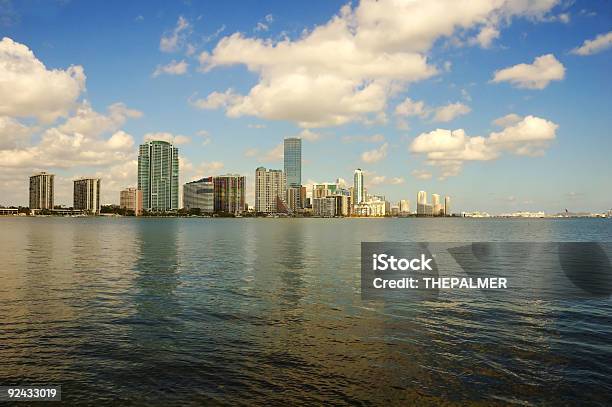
[{"x": 157, "y": 311}]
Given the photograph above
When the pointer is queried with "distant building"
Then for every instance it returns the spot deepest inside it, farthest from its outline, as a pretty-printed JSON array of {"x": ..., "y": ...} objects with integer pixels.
[
  {"x": 358, "y": 189},
  {"x": 199, "y": 195},
  {"x": 437, "y": 207},
  {"x": 373, "y": 207},
  {"x": 404, "y": 207},
  {"x": 131, "y": 199},
  {"x": 395, "y": 210},
  {"x": 271, "y": 191},
  {"x": 229, "y": 193},
  {"x": 447, "y": 206},
  {"x": 344, "y": 205},
  {"x": 86, "y": 195},
  {"x": 325, "y": 206},
  {"x": 158, "y": 176},
  {"x": 41, "y": 191},
  {"x": 324, "y": 189},
  {"x": 293, "y": 161},
  {"x": 421, "y": 203},
  {"x": 294, "y": 199}
]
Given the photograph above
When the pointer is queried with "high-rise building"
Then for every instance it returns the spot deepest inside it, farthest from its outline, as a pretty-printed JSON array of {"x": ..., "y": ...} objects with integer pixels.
[
  {"x": 87, "y": 195},
  {"x": 325, "y": 206},
  {"x": 436, "y": 206},
  {"x": 404, "y": 207},
  {"x": 41, "y": 191},
  {"x": 422, "y": 203},
  {"x": 229, "y": 193},
  {"x": 293, "y": 161},
  {"x": 158, "y": 176},
  {"x": 447, "y": 206},
  {"x": 358, "y": 190},
  {"x": 271, "y": 191},
  {"x": 131, "y": 199},
  {"x": 324, "y": 189},
  {"x": 199, "y": 195}
]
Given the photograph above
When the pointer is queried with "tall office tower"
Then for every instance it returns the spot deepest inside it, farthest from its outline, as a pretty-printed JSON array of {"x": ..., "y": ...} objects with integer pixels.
[
  {"x": 158, "y": 176},
  {"x": 87, "y": 195},
  {"x": 229, "y": 193},
  {"x": 271, "y": 191},
  {"x": 358, "y": 190},
  {"x": 293, "y": 161},
  {"x": 131, "y": 199},
  {"x": 404, "y": 207},
  {"x": 447, "y": 206},
  {"x": 199, "y": 195},
  {"x": 435, "y": 203},
  {"x": 421, "y": 202},
  {"x": 41, "y": 191}
]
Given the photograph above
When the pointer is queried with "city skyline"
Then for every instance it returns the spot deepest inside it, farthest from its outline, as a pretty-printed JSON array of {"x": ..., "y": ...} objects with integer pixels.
[{"x": 504, "y": 107}]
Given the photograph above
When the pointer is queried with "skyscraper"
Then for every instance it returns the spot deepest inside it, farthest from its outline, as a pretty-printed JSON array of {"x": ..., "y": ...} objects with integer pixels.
[
  {"x": 293, "y": 161},
  {"x": 41, "y": 191},
  {"x": 270, "y": 191},
  {"x": 229, "y": 193},
  {"x": 404, "y": 207},
  {"x": 447, "y": 206},
  {"x": 158, "y": 176},
  {"x": 358, "y": 190},
  {"x": 435, "y": 203},
  {"x": 131, "y": 199},
  {"x": 86, "y": 195},
  {"x": 422, "y": 207},
  {"x": 199, "y": 195}
]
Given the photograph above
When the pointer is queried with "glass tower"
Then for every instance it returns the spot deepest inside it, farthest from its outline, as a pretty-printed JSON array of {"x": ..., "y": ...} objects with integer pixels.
[
  {"x": 158, "y": 176},
  {"x": 293, "y": 162},
  {"x": 358, "y": 189}
]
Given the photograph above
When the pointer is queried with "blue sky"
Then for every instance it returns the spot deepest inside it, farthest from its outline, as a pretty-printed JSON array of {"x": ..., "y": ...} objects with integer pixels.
[{"x": 385, "y": 87}]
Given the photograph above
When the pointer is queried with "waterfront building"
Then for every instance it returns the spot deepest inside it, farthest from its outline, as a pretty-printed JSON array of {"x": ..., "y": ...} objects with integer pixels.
[
  {"x": 324, "y": 189},
  {"x": 435, "y": 203},
  {"x": 421, "y": 203},
  {"x": 404, "y": 207},
  {"x": 229, "y": 193},
  {"x": 395, "y": 210},
  {"x": 131, "y": 199},
  {"x": 41, "y": 191},
  {"x": 447, "y": 206},
  {"x": 325, "y": 206},
  {"x": 271, "y": 191},
  {"x": 158, "y": 176},
  {"x": 373, "y": 207},
  {"x": 293, "y": 161},
  {"x": 294, "y": 199},
  {"x": 343, "y": 204},
  {"x": 199, "y": 195},
  {"x": 86, "y": 195},
  {"x": 358, "y": 188}
]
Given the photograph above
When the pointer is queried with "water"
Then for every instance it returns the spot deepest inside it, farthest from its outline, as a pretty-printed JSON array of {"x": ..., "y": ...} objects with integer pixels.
[{"x": 253, "y": 311}]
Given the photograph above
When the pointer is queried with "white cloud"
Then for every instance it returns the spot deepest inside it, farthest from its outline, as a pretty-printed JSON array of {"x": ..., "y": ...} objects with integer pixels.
[
  {"x": 376, "y": 180},
  {"x": 507, "y": 120},
  {"x": 172, "y": 68},
  {"x": 421, "y": 174},
  {"x": 486, "y": 36},
  {"x": 309, "y": 135},
  {"x": 12, "y": 133},
  {"x": 538, "y": 75},
  {"x": 449, "y": 112},
  {"x": 87, "y": 121},
  {"x": 357, "y": 59},
  {"x": 598, "y": 44},
  {"x": 251, "y": 152},
  {"x": 29, "y": 89},
  {"x": 411, "y": 108},
  {"x": 216, "y": 100},
  {"x": 448, "y": 149},
  {"x": 174, "y": 40},
  {"x": 397, "y": 180},
  {"x": 276, "y": 154},
  {"x": 175, "y": 139},
  {"x": 375, "y": 155}
]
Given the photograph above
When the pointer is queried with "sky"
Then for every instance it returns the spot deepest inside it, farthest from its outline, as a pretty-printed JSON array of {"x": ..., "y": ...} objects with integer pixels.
[{"x": 501, "y": 105}]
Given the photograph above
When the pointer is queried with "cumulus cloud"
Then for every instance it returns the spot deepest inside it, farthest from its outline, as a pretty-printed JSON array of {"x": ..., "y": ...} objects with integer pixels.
[
  {"x": 449, "y": 149},
  {"x": 538, "y": 75},
  {"x": 276, "y": 154},
  {"x": 444, "y": 113},
  {"x": 29, "y": 89},
  {"x": 357, "y": 59},
  {"x": 421, "y": 174},
  {"x": 449, "y": 112},
  {"x": 176, "y": 139},
  {"x": 309, "y": 135},
  {"x": 174, "y": 40},
  {"x": 598, "y": 44},
  {"x": 375, "y": 155},
  {"x": 216, "y": 100},
  {"x": 397, "y": 180},
  {"x": 507, "y": 120},
  {"x": 13, "y": 133},
  {"x": 172, "y": 68}
]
